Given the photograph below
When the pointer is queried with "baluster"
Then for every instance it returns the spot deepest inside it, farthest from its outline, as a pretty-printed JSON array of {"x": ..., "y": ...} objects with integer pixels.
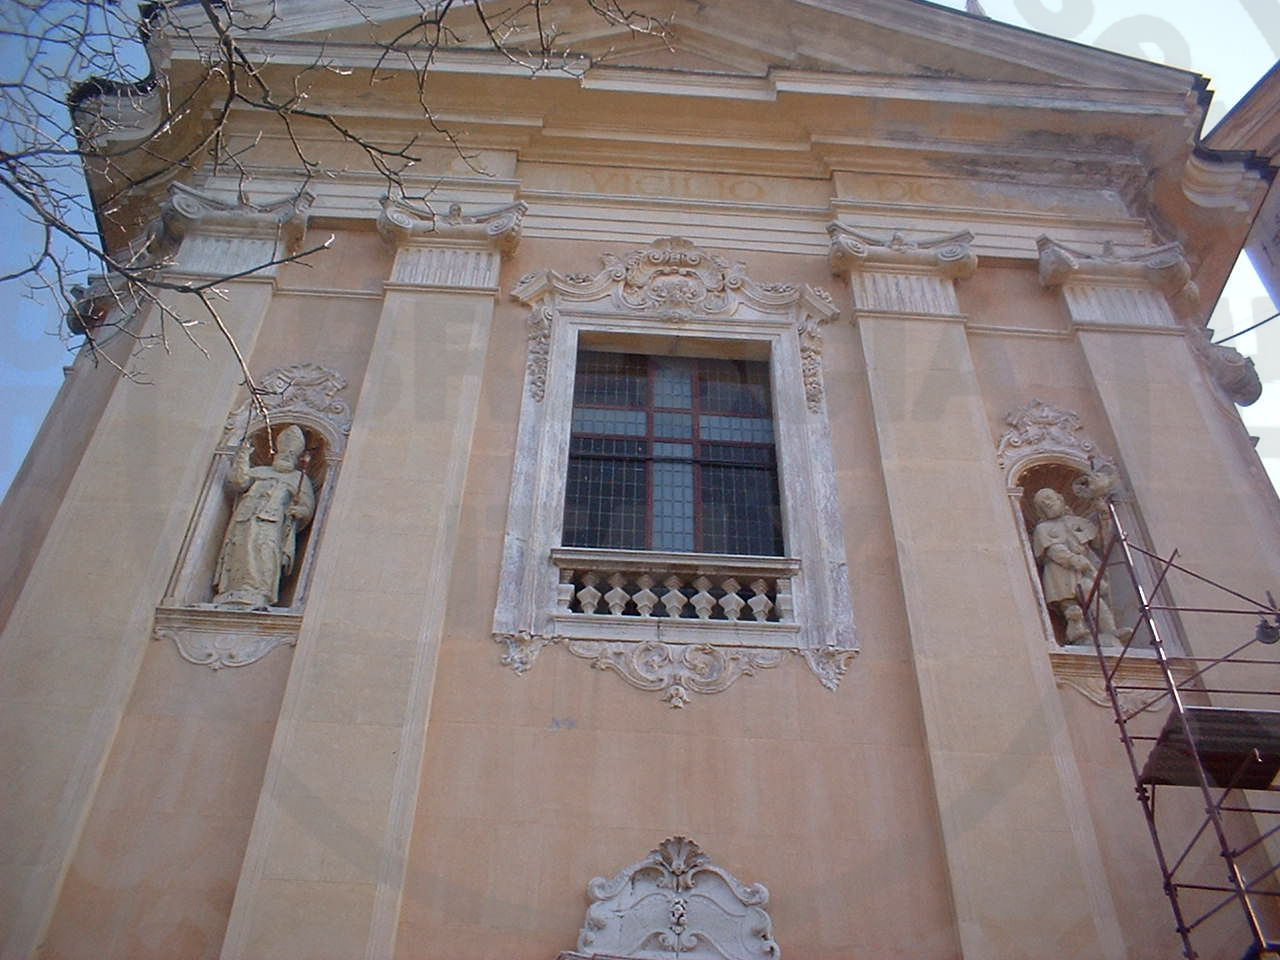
[
  {"x": 731, "y": 603},
  {"x": 785, "y": 611},
  {"x": 760, "y": 604},
  {"x": 703, "y": 602},
  {"x": 645, "y": 598},
  {"x": 617, "y": 597},
  {"x": 564, "y": 591},
  {"x": 589, "y": 596},
  {"x": 674, "y": 600}
]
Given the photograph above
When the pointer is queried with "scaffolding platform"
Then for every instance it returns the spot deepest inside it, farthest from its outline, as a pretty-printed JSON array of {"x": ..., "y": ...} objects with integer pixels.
[
  {"x": 1238, "y": 748},
  {"x": 1217, "y": 750}
]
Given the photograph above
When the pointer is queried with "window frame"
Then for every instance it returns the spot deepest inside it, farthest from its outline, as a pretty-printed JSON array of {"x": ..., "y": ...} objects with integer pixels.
[{"x": 675, "y": 298}]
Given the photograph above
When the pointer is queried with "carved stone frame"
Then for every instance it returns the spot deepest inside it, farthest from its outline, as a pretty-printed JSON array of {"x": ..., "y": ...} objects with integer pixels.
[
  {"x": 303, "y": 394},
  {"x": 673, "y": 290}
]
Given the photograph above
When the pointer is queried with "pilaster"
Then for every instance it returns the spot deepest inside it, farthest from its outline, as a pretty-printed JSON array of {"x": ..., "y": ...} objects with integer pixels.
[
  {"x": 74, "y": 642},
  {"x": 1166, "y": 391},
  {"x": 324, "y": 870},
  {"x": 1003, "y": 772},
  {"x": 1142, "y": 289}
]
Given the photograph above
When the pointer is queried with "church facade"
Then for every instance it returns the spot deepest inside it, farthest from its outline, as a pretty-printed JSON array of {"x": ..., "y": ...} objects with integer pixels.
[{"x": 637, "y": 545}]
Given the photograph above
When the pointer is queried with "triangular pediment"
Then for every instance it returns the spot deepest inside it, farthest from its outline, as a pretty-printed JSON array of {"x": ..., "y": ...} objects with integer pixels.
[{"x": 750, "y": 37}]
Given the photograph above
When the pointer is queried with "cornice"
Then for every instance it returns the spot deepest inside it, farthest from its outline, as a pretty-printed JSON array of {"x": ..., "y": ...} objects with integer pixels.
[
  {"x": 927, "y": 24},
  {"x": 1011, "y": 44},
  {"x": 778, "y": 80}
]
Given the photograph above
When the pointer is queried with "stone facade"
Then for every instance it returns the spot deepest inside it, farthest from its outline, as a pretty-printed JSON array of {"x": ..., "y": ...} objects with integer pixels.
[{"x": 966, "y": 252}]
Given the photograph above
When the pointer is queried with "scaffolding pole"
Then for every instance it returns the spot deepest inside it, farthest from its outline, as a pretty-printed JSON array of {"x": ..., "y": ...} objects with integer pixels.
[{"x": 1198, "y": 747}]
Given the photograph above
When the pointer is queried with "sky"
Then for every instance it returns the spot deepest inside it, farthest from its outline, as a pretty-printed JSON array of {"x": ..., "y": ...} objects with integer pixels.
[{"x": 1233, "y": 42}]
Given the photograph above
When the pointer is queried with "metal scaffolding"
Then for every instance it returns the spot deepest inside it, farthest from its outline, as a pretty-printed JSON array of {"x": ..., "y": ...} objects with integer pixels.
[{"x": 1220, "y": 736}]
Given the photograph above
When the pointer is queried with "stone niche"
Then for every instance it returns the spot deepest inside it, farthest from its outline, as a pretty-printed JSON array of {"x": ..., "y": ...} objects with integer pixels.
[
  {"x": 303, "y": 395},
  {"x": 1046, "y": 448}
]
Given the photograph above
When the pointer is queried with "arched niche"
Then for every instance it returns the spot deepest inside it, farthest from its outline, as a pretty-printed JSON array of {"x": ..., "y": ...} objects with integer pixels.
[
  {"x": 1062, "y": 475},
  {"x": 1046, "y": 447},
  {"x": 302, "y": 395}
]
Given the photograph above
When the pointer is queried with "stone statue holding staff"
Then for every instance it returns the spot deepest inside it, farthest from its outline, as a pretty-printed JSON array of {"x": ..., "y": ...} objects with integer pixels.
[{"x": 272, "y": 504}]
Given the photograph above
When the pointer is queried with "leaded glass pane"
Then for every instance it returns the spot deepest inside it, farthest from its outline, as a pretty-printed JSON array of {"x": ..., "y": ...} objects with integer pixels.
[
  {"x": 629, "y": 423},
  {"x": 740, "y": 511},
  {"x": 632, "y": 485},
  {"x": 610, "y": 379},
  {"x": 605, "y": 494},
  {"x": 672, "y": 424},
  {"x": 673, "y": 382},
  {"x": 735, "y": 429},
  {"x": 734, "y": 386},
  {"x": 672, "y": 505}
]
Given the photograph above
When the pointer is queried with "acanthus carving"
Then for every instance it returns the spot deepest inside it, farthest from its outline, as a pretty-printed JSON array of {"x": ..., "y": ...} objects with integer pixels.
[
  {"x": 676, "y": 670},
  {"x": 949, "y": 255},
  {"x": 539, "y": 351},
  {"x": 1040, "y": 428},
  {"x": 521, "y": 648},
  {"x": 811, "y": 364},
  {"x": 303, "y": 393},
  {"x": 1080, "y": 672},
  {"x": 1094, "y": 690},
  {"x": 1232, "y": 372},
  {"x": 830, "y": 664},
  {"x": 674, "y": 279},
  {"x": 498, "y": 228},
  {"x": 676, "y": 902}
]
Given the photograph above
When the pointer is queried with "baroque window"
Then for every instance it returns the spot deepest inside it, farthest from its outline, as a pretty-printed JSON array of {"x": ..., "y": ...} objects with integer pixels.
[{"x": 673, "y": 513}]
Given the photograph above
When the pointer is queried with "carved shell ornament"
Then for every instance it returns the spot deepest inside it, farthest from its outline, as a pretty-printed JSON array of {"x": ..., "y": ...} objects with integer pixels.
[{"x": 677, "y": 902}]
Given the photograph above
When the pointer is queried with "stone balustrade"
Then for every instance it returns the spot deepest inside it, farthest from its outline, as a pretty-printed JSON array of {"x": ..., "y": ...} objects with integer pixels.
[{"x": 689, "y": 586}]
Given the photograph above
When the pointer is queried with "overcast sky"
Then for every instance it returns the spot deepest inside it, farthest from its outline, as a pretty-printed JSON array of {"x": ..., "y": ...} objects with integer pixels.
[{"x": 1234, "y": 42}]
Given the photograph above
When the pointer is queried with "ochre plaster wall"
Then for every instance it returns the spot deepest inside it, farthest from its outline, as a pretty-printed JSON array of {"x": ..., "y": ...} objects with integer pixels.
[
  {"x": 532, "y": 785},
  {"x": 41, "y": 482},
  {"x": 1037, "y": 355},
  {"x": 155, "y": 871}
]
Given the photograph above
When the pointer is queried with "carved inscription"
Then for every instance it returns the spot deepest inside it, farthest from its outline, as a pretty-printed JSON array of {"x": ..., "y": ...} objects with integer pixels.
[{"x": 690, "y": 184}]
